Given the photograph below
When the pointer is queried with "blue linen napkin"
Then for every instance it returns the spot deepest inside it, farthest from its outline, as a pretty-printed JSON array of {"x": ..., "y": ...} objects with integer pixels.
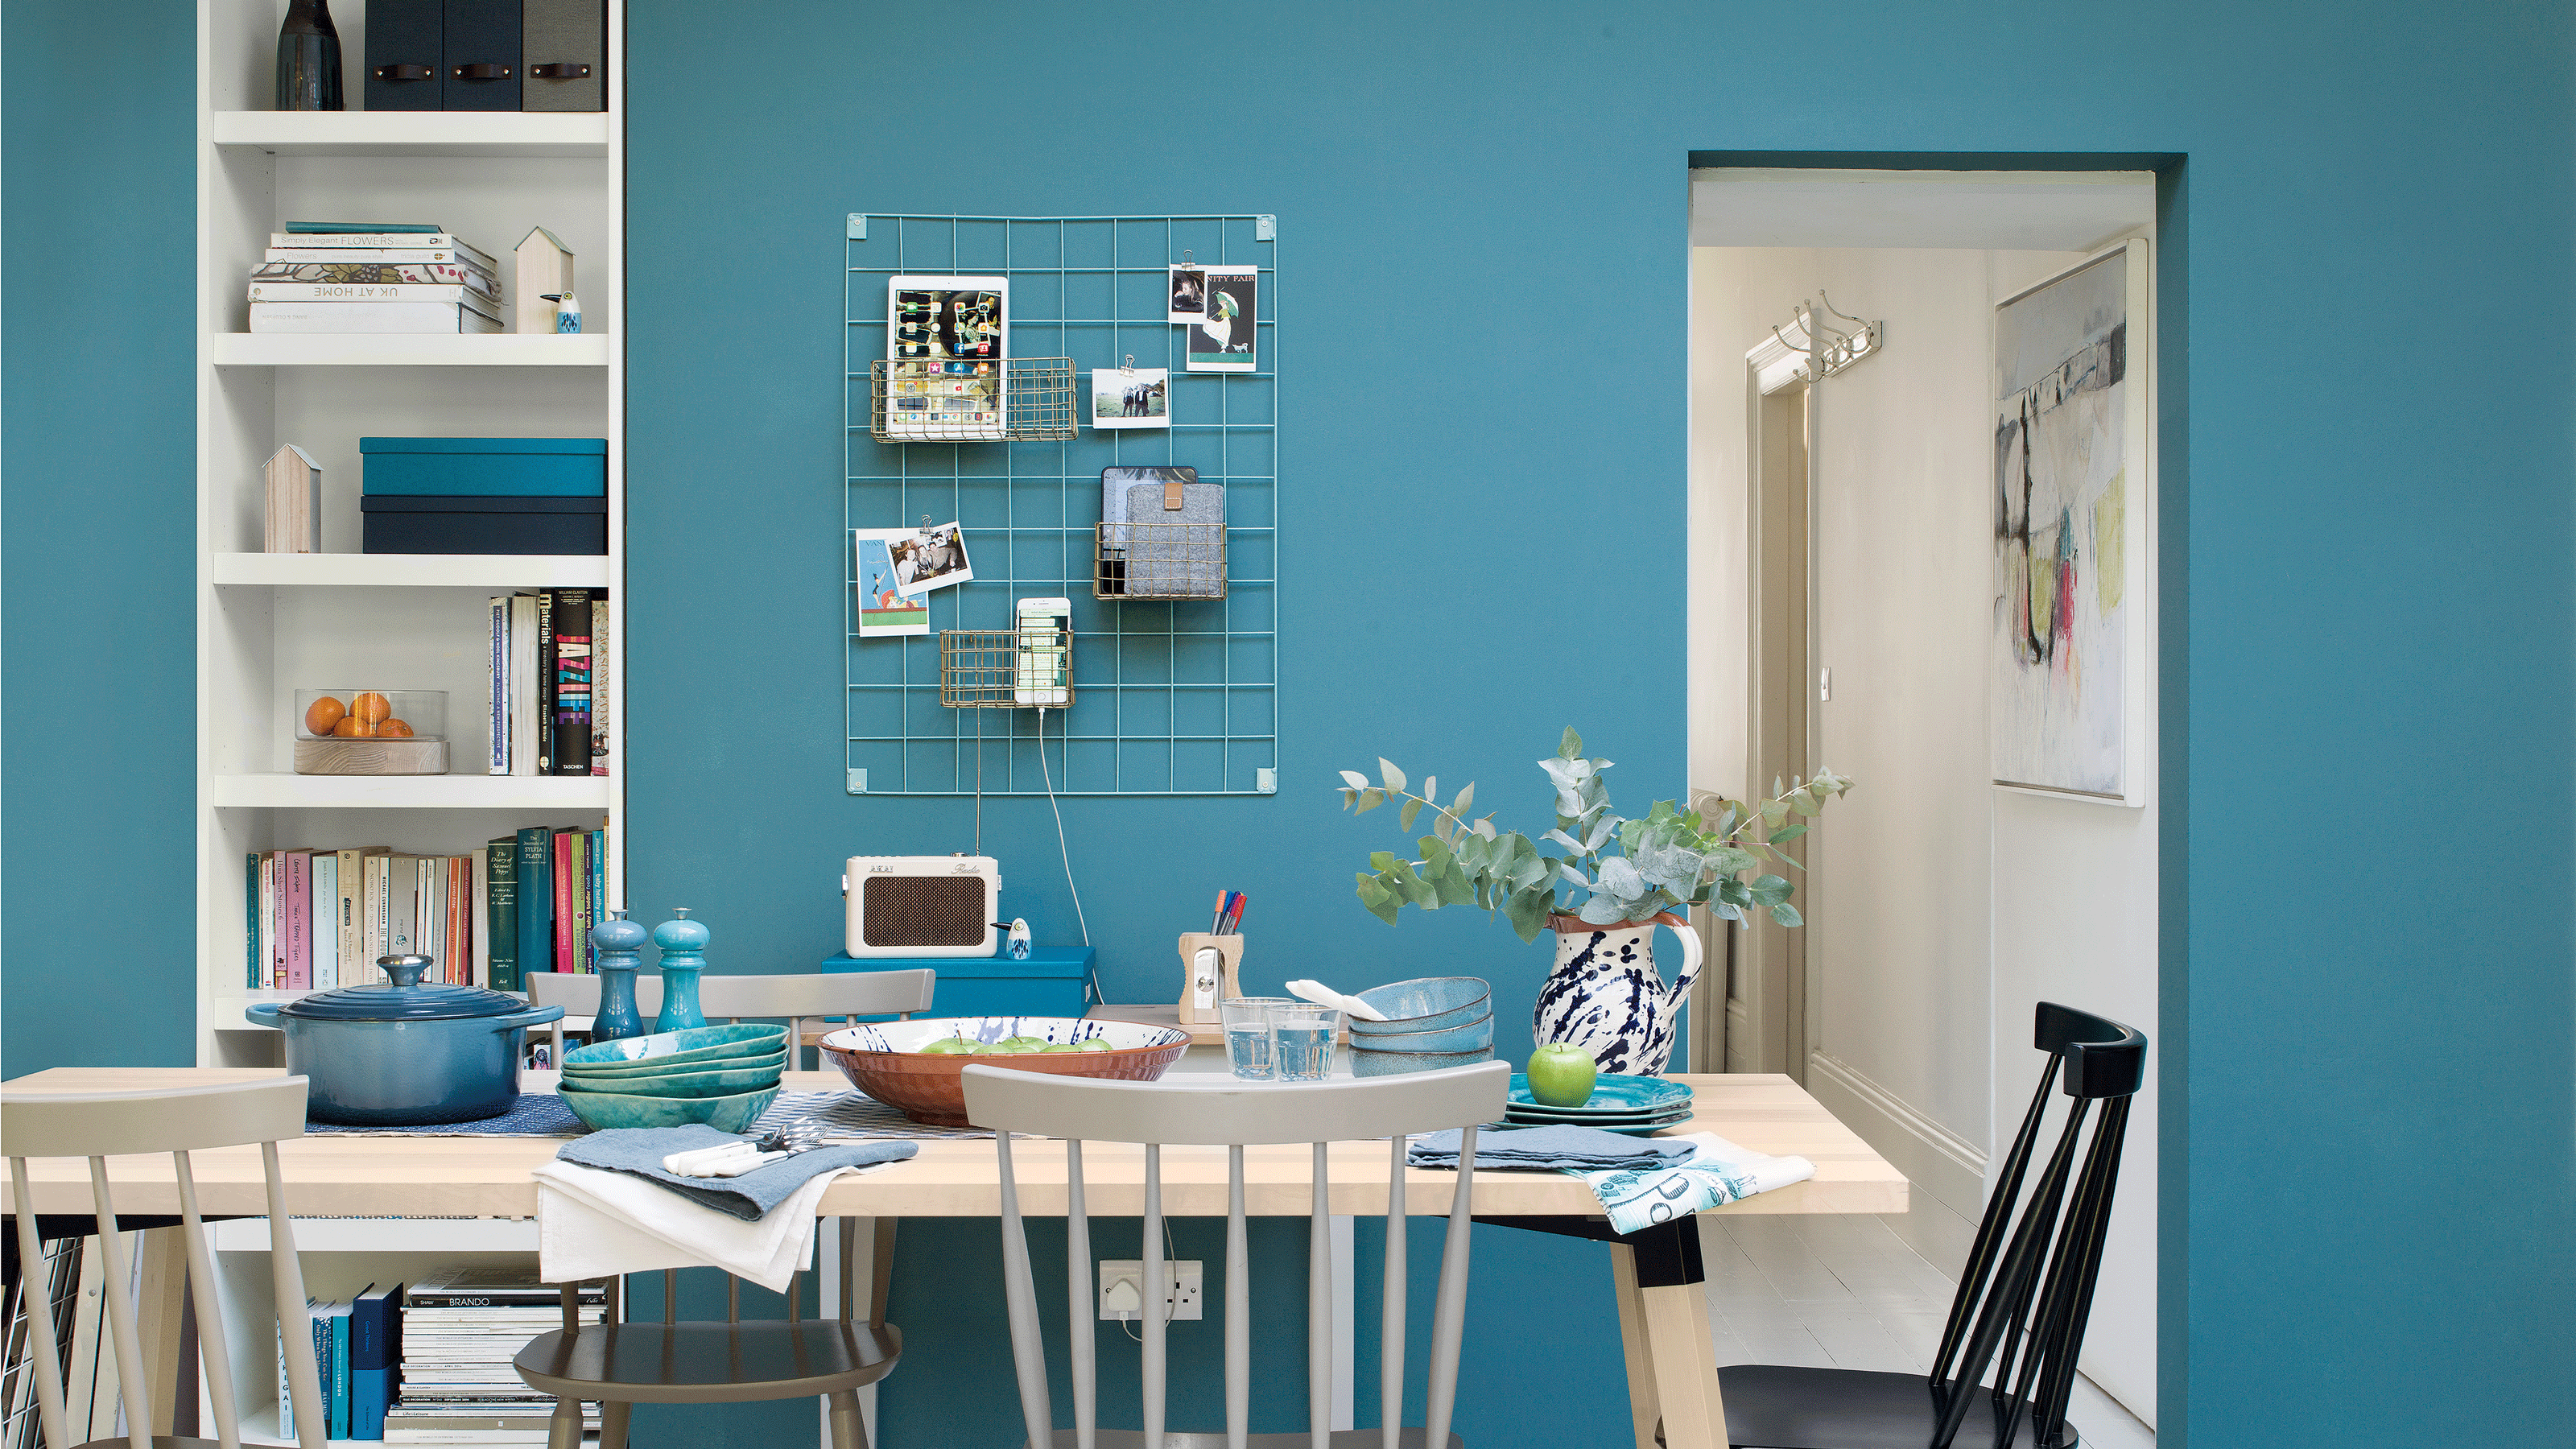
[
  {"x": 1558, "y": 1148},
  {"x": 639, "y": 1151}
]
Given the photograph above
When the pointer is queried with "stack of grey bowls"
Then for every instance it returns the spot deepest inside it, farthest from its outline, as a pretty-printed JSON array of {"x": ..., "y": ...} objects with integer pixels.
[{"x": 1435, "y": 1022}]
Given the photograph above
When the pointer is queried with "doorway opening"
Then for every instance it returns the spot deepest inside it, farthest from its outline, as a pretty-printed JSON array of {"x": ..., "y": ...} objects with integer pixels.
[{"x": 1845, "y": 597}]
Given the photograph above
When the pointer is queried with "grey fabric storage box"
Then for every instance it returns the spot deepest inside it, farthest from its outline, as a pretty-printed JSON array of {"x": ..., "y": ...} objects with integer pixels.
[
  {"x": 567, "y": 55},
  {"x": 1166, "y": 562}
]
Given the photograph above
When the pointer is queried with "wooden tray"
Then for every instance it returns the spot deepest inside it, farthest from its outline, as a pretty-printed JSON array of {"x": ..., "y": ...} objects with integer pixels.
[{"x": 371, "y": 757}]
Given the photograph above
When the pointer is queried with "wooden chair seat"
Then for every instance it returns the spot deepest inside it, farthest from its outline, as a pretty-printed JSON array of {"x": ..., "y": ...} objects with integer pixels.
[
  {"x": 1774, "y": 1406},
  {"x": 709, "y": 1363}
]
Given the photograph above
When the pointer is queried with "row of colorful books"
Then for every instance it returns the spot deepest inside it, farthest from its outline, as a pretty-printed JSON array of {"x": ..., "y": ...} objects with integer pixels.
[
  {"x": 318, "y": 919},
  {"x": 549, "y": 696},
  {"x": 373, "y": 276}
]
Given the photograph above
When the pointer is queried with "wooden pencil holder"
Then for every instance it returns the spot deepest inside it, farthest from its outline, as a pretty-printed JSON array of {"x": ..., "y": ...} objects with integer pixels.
[{"x": 1229, "y": 980}]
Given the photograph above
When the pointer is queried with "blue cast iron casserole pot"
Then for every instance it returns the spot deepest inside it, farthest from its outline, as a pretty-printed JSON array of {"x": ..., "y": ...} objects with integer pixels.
[{"x": 404, "y": 1054}]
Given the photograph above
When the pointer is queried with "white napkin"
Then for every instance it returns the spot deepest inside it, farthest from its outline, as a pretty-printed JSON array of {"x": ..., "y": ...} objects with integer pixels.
[
  {"x": 1717, "y": 1173},
  {"x": 594, "y": 1224}
]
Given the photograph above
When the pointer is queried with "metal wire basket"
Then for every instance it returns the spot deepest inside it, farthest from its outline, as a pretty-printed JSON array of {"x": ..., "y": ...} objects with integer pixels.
[
  {"x": 1006, "y": 668},
  {"x": 1158, "y": 561},
  {"x": 1028, "y": 400}
]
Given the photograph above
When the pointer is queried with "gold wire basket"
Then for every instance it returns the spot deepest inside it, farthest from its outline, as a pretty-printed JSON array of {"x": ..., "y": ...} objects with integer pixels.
[
  {"x": 1158, "y": 561},
  {"x": 1006, "y": 668},
  {"x": 1017, "y": 400}
]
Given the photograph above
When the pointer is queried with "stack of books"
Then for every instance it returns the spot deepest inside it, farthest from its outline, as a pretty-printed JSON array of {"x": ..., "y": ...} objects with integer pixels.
[
  {"x": 356, "y": 1347},
  {"x": 373, "y": 276},
  {"x": 317, "y": 919},
  {"x": 549, "y": 692},
  {"x": 460, "y": 1329}
]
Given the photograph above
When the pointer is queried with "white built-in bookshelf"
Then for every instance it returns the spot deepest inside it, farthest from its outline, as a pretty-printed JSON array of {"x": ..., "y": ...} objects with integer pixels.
[{"x": 269, "y": 624}]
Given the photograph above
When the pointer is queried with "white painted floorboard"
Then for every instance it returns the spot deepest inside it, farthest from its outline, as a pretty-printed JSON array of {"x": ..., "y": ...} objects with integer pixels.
[{"x": 1846, "y": 1292}]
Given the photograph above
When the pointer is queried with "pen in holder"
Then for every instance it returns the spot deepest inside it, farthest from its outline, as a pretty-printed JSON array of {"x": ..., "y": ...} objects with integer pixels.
[{"x": 1205, "y": 984}]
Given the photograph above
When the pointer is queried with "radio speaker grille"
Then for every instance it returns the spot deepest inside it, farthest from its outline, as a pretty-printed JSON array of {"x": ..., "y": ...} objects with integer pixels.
[{"x": 924, "y": 910}]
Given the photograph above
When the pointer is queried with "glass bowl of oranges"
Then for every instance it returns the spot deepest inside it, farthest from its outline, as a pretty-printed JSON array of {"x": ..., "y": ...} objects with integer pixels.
[{"x": 370, "y": 714}]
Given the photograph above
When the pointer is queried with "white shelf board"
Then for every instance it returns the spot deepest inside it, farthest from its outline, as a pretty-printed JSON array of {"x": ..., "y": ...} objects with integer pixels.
[
  {"x": 415, "y": 792},
  {"x": 407, "y": 349},
  {"x": 413, "y": 133},
  {"x": 413, "y": 570},
  {"x": 385, "y": 1235}
]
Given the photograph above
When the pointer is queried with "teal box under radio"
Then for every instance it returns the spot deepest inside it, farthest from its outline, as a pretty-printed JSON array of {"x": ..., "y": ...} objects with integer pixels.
[
  {"x": 484, "y": 467},
  {"x": 1053, "y": 981}
]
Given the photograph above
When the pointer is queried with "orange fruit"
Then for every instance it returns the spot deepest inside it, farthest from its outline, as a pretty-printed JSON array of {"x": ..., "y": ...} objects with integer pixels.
[
  {"x": 371, "y": 707},
  {"x": 322, "y": 714},
  {"x": 353, "y": 728},
  {"x": 394, "y": 729}
]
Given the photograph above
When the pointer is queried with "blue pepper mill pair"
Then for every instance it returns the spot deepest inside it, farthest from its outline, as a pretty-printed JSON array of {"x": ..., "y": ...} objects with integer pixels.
[{"x": 684, "y": 955}]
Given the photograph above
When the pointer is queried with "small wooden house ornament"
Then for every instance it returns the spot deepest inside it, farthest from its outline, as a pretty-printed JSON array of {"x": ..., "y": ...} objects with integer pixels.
[
  {"x": 294, "y": 502},
  {"x": 545, "y": 265}
]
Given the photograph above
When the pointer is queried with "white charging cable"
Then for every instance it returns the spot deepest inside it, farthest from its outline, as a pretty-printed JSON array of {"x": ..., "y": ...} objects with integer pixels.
[{"x": 1061, "y": 852}]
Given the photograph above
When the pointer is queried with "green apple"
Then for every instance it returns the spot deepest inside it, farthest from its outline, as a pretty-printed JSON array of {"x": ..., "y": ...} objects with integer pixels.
[
  {"x": 954, "y": 1046},
  {"x": 1059, "y": 1046},
  {"x": 1561, "y": 1075},
  {"x": 1096, "y": 1044},
  {"x": 1025, "y": 1043}
]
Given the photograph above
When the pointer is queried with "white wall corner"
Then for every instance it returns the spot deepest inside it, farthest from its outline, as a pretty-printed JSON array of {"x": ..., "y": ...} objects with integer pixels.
[{"x": 1948, "y": 1172}]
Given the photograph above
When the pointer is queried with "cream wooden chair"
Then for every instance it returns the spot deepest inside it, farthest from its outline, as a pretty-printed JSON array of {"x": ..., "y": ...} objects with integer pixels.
[
  {"x": 1079, "y": 1109},
  {"x": 102, "y": 1125},
  {"x": 801, "y": 998}
]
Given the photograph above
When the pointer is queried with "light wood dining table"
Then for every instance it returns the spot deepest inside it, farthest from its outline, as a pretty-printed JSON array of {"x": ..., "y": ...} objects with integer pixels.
[{"x": 1656, "y": 1272}]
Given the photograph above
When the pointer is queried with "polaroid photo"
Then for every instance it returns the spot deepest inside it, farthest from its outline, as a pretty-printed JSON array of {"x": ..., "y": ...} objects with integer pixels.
[
  {"x": 1224, "y": 339},
  {"x": 1189, "y": 293},
  {"x": 944, "y": 325},
  {"x": 884, "y": 612},
  {"x": 1131, "y": 397},
  {"x": 928, "y": 558}
]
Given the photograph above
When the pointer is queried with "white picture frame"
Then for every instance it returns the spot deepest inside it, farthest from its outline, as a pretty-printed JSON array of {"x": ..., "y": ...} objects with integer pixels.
[
  {"x": 2068, "y": 663},
  {"x": 1131, "y": 397}
]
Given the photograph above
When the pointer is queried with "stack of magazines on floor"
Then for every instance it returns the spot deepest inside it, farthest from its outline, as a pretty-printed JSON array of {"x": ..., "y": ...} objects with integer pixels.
[
  {"x": 373, "y": 276},
  {"x": 461, "y": 1327}
]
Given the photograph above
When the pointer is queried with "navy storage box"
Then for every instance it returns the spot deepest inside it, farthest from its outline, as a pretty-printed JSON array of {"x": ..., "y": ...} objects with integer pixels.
[
  {"x": 485, "y": 467},
  {"x": 1054, "y": 981},
  {"x": 401, "y": 523}
]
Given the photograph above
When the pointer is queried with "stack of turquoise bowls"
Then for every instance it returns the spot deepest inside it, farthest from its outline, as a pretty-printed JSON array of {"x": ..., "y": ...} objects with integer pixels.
[
  {"x": 723, "y": 1076},
  {"x": 1435, "y": 1022}
]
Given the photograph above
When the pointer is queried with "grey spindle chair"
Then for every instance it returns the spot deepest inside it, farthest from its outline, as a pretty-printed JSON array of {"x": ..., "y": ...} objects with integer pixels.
[
  {"x": 102, "y": 1125},
  {"x": 621, "y": 1365},
  {"x": 812, "y": 996},
  {"x": 1080, "y": 1109}
]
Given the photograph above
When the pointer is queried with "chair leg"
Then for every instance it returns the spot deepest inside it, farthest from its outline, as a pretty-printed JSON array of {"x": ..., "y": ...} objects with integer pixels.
[
  {"x": 849, "y": 1431},
  {"x": 612, "y": 1423},
  {"x": 563, "y": 1431}
]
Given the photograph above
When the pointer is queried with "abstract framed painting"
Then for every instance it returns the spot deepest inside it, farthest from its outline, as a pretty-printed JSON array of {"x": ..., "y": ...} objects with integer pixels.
[{"x": 2072, "y": 592}]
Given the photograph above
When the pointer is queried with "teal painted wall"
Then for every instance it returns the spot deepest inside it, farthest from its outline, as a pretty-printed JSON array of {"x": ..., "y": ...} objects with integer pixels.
[{"x": 2368, "y": 553}]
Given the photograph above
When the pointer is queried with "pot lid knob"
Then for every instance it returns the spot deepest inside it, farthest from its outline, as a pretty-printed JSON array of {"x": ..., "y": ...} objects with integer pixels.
[{"x": 405, "y": 970}]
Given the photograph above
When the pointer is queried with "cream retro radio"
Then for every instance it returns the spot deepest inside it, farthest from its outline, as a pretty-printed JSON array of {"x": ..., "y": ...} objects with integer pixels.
[{"x": 921, "y": 905}]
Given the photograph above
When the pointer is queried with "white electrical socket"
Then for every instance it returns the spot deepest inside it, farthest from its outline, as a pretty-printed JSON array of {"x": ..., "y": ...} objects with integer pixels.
[{"x": 1122, "y": 1289}]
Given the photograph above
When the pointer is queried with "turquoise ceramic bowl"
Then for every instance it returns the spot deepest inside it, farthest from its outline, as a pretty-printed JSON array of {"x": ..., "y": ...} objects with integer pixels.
[
  {"x": 1469, "y": 1036},
  {"x": 666, "y": 1048},
  {"x": 613, "y": 1109},
  {"x": 605, "y": 1079},
  {"x": 1428, "y": 1004},
  {"x": 1366, "y": 1063},
  {"x": 717, "y": 1083}
]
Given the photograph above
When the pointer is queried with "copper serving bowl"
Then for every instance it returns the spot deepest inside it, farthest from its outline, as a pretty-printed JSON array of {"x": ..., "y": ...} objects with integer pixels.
[{"x": 885, "y": 1060}]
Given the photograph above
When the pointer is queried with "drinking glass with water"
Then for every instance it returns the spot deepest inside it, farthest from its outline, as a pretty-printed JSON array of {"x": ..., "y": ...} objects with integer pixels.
[
  {"x": 1248, "y": 1043},
  {"x": 1303, "y": 1037}
]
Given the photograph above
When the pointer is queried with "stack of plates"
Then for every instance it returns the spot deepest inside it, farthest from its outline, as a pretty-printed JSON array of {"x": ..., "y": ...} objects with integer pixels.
[
  {"x": 1633, "y": 1106},
  {"x": 723, "y": 1076}
]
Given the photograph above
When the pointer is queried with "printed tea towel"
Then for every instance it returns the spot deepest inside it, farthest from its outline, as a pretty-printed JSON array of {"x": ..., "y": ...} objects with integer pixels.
[{"x": 1717, "y": 1173}]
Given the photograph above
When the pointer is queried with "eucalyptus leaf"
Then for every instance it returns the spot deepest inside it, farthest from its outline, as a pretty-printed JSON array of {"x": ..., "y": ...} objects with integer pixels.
[
  {"x": 1804, "y": 803},
  {"x": 1786, "y": 914},
  {"x": 1355, "y": 779},
  {"x": 1619, "y": 877},
  {"x": 1527, "y": 910},
  {"x": 1393, "y": 777},
  {"x": 1788, "y": 833},
  {"x": 1370, "y": 800},
  {"x": 1435, "y": 853},
  {"x": 1442, "y": 826},
  {"x": 1382, "y": 860},
  {"x": 1570, "y": 746},
  {"x": 1559, "y": 837},
  {"x": 1431, "y": 788},
  {"x": 1602, "y": 911},
  {"x": 1348, "y": 796},
  {"x": 1455, "y": 888},
  {"x": 1404, "y": 817},
  {"x": 1466, "y": 797}
]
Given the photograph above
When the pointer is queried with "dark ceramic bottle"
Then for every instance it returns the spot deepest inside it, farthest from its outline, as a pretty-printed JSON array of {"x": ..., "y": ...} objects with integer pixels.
[{"x": 308, "y": 58}]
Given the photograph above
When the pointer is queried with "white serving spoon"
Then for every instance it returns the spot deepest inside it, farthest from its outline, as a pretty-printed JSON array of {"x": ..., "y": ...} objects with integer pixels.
[{"x": 1322, "y": 995}]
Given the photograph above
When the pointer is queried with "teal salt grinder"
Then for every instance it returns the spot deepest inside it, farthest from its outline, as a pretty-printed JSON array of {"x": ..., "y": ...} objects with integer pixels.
[
  {"x": 618, "y": 940},
  {"x": 684, "y": 955}
]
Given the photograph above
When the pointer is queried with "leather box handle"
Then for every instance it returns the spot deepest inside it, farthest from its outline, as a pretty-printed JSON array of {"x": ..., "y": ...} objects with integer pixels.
[
  {"x": 483, "y": 72},
  {"x": 403, "y": 72},
  {"x": 1171, "y": 495},
  {"x": 563, "y": 71}
]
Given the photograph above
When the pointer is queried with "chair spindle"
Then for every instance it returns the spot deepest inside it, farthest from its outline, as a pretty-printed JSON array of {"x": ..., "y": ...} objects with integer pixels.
[
  {"x": 1028, "y": 1349},
  {"x": 116, "y": 1291},
  {"x": 1319, "y": 1308},
  {"x": 1078, "y": 1302},
  {"x": 1449, "y": 1310},
  {"x": 294, "y": 1315},
  {"x": 207, "y": 1309},
  {"x": 1157, "y": 1296},
  {"x": 670, "y": 1295},
  {"x": 1390, "y": 1367},
  {"x": 40, "y": 1318},
  {"x": 1238, "y": 1305}
]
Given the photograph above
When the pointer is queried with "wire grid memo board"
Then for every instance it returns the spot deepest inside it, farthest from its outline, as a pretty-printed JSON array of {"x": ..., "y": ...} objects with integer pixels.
[{"x": 1170, "y": 697}]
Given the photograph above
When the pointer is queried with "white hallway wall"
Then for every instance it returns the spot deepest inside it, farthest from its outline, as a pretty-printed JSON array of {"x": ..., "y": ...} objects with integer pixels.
[{"x": 1943, "y": 909}]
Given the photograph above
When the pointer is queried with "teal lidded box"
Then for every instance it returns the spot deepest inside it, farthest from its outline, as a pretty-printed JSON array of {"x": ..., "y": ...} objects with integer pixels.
[
  {"x": 1053, "y": 981},
  {"x": 485, "y": 467}
]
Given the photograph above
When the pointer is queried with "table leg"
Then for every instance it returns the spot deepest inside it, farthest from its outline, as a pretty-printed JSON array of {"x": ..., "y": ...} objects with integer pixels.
[
  {"x": 1672, "y": 1308},
  {"x": 1642, "y": 1403}
]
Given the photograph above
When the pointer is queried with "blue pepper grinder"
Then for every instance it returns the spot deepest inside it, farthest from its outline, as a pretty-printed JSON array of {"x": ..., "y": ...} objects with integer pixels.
[
  {"x": 684, "y": 955},
  {"x": 618, "y": 940}
]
